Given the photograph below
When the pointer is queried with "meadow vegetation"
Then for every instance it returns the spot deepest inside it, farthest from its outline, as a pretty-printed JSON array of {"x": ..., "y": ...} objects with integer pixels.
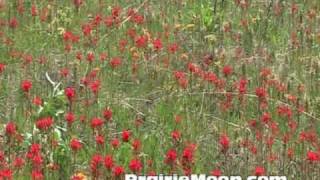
[{"x": 95, "y": 89}]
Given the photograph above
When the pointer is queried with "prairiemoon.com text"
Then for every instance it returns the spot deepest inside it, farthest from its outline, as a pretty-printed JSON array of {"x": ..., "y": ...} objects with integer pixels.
[{"x": 201, "y": 177}]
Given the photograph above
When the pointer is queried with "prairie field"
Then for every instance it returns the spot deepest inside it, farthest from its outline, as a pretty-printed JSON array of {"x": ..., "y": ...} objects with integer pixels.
[{"x": 96, "y": 89}]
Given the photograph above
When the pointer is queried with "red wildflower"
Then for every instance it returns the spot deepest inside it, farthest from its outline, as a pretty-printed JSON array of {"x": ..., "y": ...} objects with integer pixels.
[
  {"x": 122, "y": 44},
  {"x": 75, "y": 144},
  {"x": 2, "y": 67},
  {"x": 6, "y": 174},
  {"x": 187, "y": 171},
  {"x": 37, "y": 160},
  {"x": 274, "y": 127},
  {"x": 284, "y": 111},
  {"x": 211, "y": 77},
  {"x": 157, "y": 44},
  {"x": 136, "y": 144},
  {"x": 183, "y": 83},
  {"x": 77, "y": 3},
  {"x": 44, "y": 123},
  {"x": 138, "y": 19},
  {"x": 95, "y": 86},
  {"x": 95, "y": 163},
  {"x": 37, "y": 175},
  {"x": 313, "y": 156},
  {"x": 126, "y": 135},
  {"x": 290, "y": 153},
  {"x": 13, "y": 23},
  {"x": 70, "y": 118},
  {"x": 86, "y": 29},
  {"x": 115, "y": 143},
  {"x": 152, "y": 173},
  {"x": 37, "y": 101},
  {"x": 115, "y": 62},
  {"x": 11, "y": 128},
  {"x": 270, "y": 142},
  {"x": 34, "y": 154},
  {"x": 96, "y": 122},
  {"x": 131, "y": 12},
  {"x": 26, "y": 85},
  {"x": 97, "y": 20},
  {"x": 193, "y": 68},
  {"x": 252, "y": 123},
  {"x": 34, "y": 10},
  {"x": 261, "y": 92},
  {"x": 208, "y": 59},
  {"x": 107, "y": 114},
  {"x": 18, "y": 162},
  {"x": 108, "y": 162},
  {"x": 2, "y": 156},
  {"x": 259, "y": 171},
  {"x": 90, "y": 57},
  {"x": 141, "y": 41},
  {"x": 67, "y": 35},
  {"x": 70, "y": 93},
  {"x": 34, "y": 149},
  {"x": 20, "y": 7},
  {"x": 216, "y": 172},
  {"x": 292, "y": 125},
  {"x": 67, "y": 48},
  {"x": 266, "y": 117},
  {"x": 79, "y": 55},
  {"x": 188, "y": 154},
  {"x": 224, "y": 142},
  {"x": 116, "y": 12},
  {"x": 176, "y": 135},
  {"x": 103, "y": 56},
  {"x": 135, "y": 165},
  {"x": 27, "y": 58},
  {"x": 179, "y": 74},
  {"x": 265, "y": 72},
  {"x": 242, "y": 88},
  {"x": 171, "y": 156},
  {"x": 99, "y": 139},
  {"x": 227, "y": 70},
  {"x": 93, "y": 73},
  {"x": 108, "y": 21},
  {"x": 44, "y": 13},
  {"x": 172, "y": 48},
  {"x": 131, "y": 33},
  {"x": 118, "y": 170}
]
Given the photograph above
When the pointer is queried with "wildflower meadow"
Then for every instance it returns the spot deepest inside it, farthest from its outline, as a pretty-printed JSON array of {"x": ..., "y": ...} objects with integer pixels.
[{"x": 97, "y": 89}]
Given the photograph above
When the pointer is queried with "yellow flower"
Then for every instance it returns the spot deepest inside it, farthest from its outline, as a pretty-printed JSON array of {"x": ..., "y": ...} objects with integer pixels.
[{"x": 80, "y": 175}]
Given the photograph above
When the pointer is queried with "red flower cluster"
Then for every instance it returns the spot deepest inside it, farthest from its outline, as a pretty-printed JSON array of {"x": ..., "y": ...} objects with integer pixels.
[
  {"x": 11, "y": 128},
  {"x": 26, "y": 85},
  {"x": 70, "y": 93},
  {"x": 75, "y": 144},
  {"x": 44, "y": 123}
]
